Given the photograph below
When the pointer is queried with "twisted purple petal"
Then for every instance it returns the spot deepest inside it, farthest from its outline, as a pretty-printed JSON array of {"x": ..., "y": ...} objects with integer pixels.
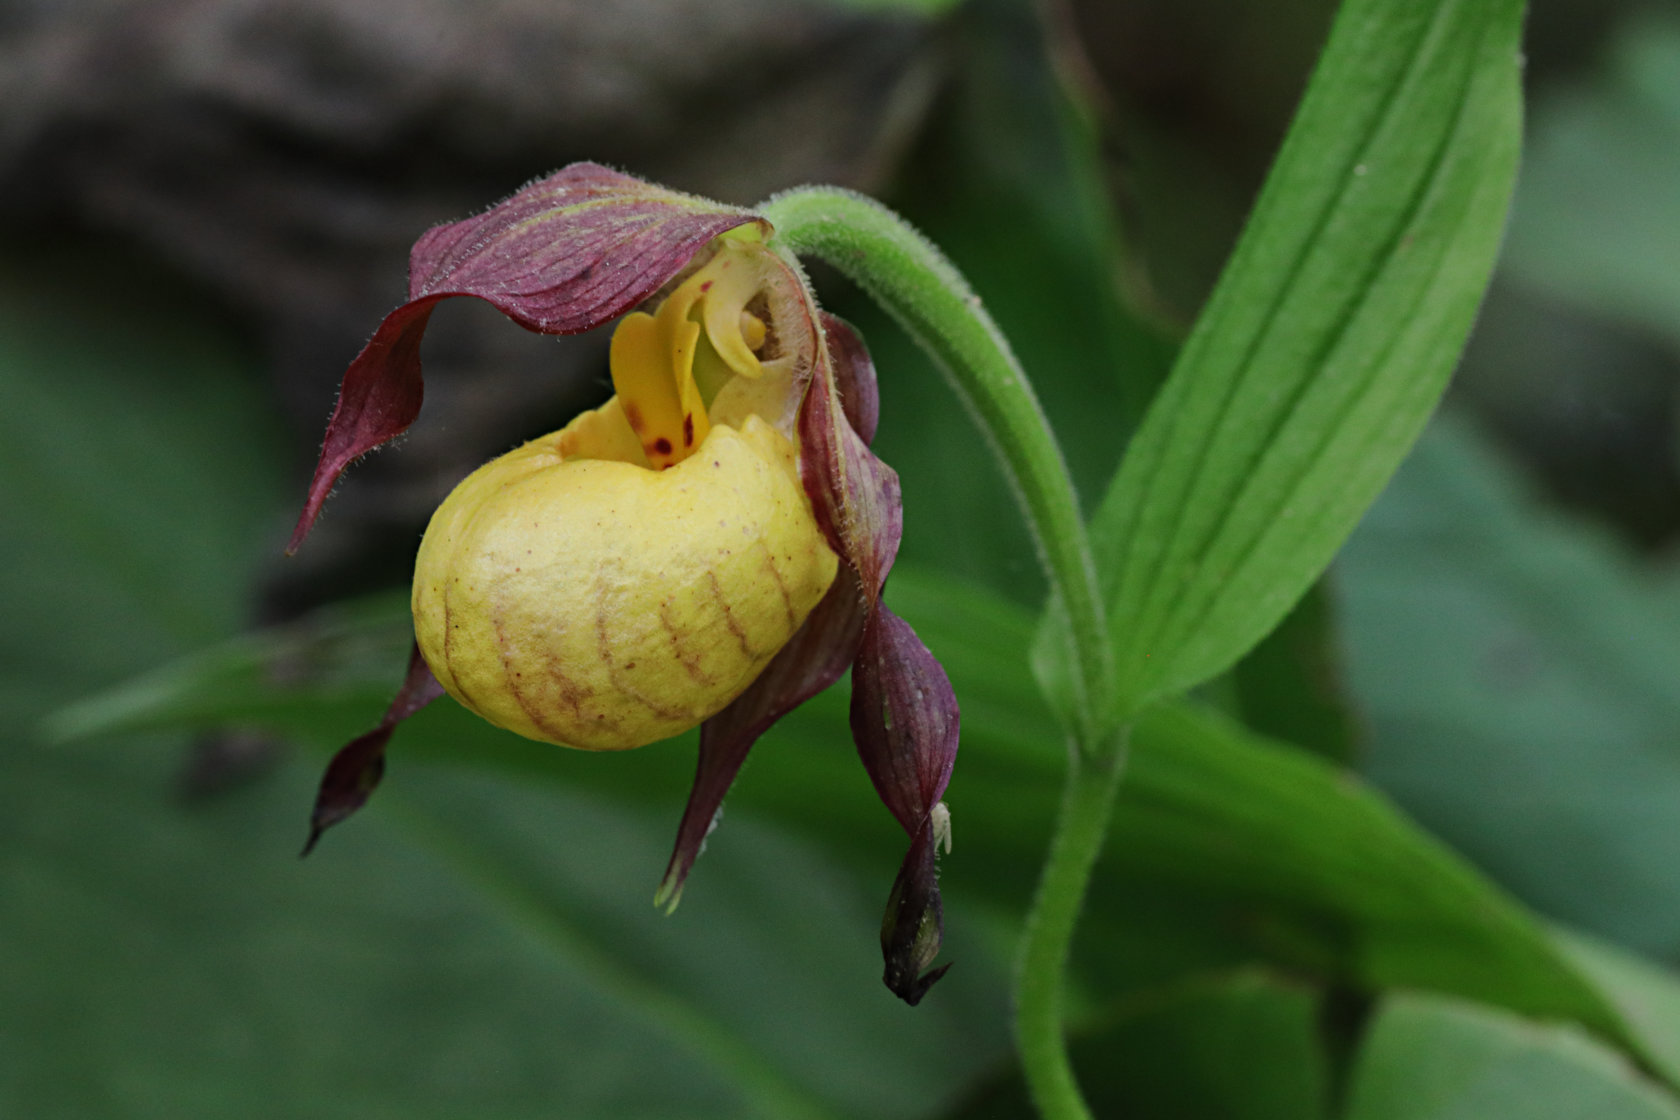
[
  {"x": 355, "y": 770},
  {"x": 812, "y": 660}
]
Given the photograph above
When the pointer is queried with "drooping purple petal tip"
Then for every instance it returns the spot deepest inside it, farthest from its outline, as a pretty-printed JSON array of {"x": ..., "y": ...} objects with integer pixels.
[
  {"x": 356, "y": 769},
  {"x": 350, "y": 779},
  {"x": 565, "y": 254},
  {"x": 379, "y": 398},
  {"x": 812, "y": 660},
  {"x": 905, "y": 722},
  {"x": 913, "y": 928},
  {"x": 905, "y": 719}
]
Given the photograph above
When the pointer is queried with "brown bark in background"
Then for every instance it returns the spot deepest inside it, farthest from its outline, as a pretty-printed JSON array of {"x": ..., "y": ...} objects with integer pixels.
[{"x": 286, "y": 153}]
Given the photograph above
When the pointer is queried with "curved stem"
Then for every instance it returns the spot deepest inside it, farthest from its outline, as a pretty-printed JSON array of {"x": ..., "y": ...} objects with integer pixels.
[
  {"x": 904, "y": 273},
  {"x": 1087, "y": 801}
]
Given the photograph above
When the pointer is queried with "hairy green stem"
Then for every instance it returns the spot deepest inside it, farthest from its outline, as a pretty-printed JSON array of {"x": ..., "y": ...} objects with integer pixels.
[
  {"x": 904, "y": 273},
  {"x": 1087, "y": 802}
]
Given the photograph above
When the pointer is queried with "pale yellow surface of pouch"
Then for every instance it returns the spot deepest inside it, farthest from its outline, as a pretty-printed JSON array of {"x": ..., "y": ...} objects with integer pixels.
[{"x": 621, "y": 580}]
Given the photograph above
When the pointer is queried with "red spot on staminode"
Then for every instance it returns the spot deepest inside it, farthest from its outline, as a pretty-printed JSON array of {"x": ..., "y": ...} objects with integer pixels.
[
  {"x": 634, "y": 415},
  {"x": 662, "y": 445},
  {"x": 706, "y": 287},
  {"x": 688, "y": 430}
]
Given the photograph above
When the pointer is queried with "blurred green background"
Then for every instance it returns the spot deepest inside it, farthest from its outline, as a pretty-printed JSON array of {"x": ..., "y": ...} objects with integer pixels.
[{"x": 1472, "y": 726}]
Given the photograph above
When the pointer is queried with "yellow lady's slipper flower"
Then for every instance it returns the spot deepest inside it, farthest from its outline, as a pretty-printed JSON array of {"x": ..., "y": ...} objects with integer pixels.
[
  {"x": 707, "y": 548},
  {"x": 619, "y": 581}
]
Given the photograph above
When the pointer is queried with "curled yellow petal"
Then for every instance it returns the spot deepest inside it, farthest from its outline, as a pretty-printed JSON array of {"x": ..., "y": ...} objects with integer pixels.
[
  {"x": 664, "y": 365},
  {"x": 728, "y": 284},
  {"x": 653, "y": 377}
]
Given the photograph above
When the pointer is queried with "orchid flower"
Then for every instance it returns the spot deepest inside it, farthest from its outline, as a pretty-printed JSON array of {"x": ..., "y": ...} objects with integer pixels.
[{"x": 708, "y": 548}]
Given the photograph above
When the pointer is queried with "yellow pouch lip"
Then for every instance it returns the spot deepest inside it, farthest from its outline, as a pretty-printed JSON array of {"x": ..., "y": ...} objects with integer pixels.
[{"x": 495, "y": 631}]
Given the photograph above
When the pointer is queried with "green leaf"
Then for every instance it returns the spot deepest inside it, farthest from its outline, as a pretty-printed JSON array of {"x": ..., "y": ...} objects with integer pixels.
[
  {"x": 1646, "y": 996},
  {"x": 1325, "y": 875},
  {"x": 1518, "y": 669},
  {"x": 1325, "y": 345},
  {"x": 1239, "y": 1048},
  {"x": 1225, "y": 847},
  {"x": 341, "y": 655},
  {"x": 1427, "y": 1058},
  {"x": 767, "y": 982},
  {"x": 167, "y": 963}
]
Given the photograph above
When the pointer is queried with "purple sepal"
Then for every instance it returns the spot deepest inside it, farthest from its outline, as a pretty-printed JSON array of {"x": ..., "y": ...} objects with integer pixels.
[
  {"x": 904, "y": 718},
  {"x": 355, "y": 770},
  {"x": 855, "y": 497},
  {"x": 904, "y": 713},
  {"x": 377, "y": 401},
  {"x": 812, "y": 660},
  {"x": 563, "y": 255},
  {"x": 854, "y": 375}
]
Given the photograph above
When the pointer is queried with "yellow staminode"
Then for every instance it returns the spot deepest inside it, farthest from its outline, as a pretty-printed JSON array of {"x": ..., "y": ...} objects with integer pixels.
[
  {"x": 654, "y": 356},
  {"x": 618, "y": 582}
]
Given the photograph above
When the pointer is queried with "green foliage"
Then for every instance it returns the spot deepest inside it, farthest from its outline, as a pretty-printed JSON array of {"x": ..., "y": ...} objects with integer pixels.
[
  {"x": 1290, "y": 858},
  {"x": 1266, "y": 935},
  {"x": 1646, "y": 997},
  {"x": 1326, "y": 344},
  {"x": 1518, "y": 672},
  {"x": 1244, "y": 1047},
  {"x": 1289, "y": 687},
  {"x": 1432, "y": 1059}
]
